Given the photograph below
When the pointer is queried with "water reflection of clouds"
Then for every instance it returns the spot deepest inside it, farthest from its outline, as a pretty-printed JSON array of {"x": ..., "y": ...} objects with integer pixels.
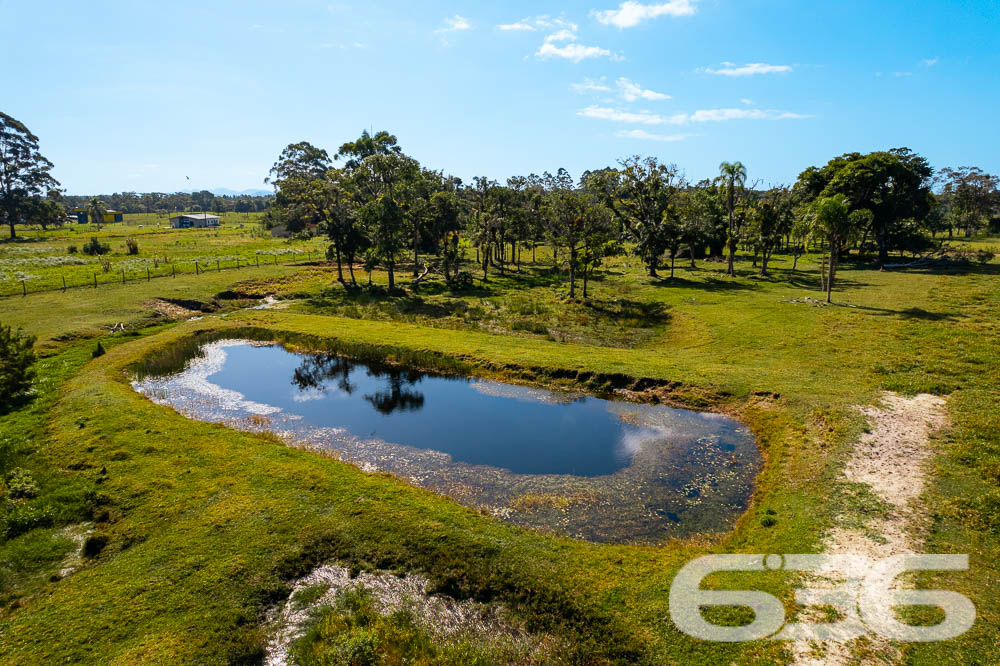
[
  {"x": 525, "y": 393},
  {"x": 195, "y": 381}
]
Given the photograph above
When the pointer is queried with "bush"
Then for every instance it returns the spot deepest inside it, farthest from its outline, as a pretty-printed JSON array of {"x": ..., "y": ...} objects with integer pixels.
[
  {"x": 72, "y": 249},
  {"x": 132, "y": 245},
  {"x": 95, "y": 247},
  {"x": 461, "y": 280},
  {"x": 98, "y": 351},
  {"x": 20, "y": 485},
  {"x": 17, "y": 356}
]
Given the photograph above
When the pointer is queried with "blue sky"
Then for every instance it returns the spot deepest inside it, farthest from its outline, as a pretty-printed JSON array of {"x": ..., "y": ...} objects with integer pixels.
[{"x": 140, "y": 95}]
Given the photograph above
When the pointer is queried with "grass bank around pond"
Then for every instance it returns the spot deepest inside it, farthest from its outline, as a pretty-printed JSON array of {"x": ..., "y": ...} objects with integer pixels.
[{"x": 202, "y": 527}]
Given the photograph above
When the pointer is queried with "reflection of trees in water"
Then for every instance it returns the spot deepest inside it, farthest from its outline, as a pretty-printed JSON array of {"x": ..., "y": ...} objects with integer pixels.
[{"x": 315, "y": 371}]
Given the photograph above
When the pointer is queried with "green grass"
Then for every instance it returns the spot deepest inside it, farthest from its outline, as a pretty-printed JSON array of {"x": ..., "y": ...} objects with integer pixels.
[
  {"x": 42, "y": 258},
  {"x": 205, "y": 527}
]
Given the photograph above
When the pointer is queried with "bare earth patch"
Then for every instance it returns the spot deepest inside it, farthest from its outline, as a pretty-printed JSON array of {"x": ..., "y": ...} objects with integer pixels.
[
  {"x": 891, "y": 461},
  {"x": 444, "y": 616}
]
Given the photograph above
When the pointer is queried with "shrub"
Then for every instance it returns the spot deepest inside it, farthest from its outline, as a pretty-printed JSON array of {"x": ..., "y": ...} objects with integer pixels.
[
  {"x": 72, "y": 249},
  {"x": 26, "y": 517},
  {"x": 132, "y": 245},
  {"x": 461, "y": 280},
  {"x": 17, "y": 356},
  {"x": 99, "y": 351},
  {"x": 20, "y": 485},
  {"x": 95, "y": 247}
]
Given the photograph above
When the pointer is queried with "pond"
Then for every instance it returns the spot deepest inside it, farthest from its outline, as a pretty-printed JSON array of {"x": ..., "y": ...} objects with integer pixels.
[{"x": 602, "y": 470}]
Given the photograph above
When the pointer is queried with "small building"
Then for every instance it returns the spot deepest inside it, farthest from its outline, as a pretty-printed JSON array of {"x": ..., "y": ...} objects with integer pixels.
[
  {"x": 109, "y": 215},
  {"x": 194, "y": 220}
]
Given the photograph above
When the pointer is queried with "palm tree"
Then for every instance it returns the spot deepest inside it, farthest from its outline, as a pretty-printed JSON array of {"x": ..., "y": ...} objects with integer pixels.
[
  {"x": 96, "y": 210},
  {"x": 733, "y": 178}
]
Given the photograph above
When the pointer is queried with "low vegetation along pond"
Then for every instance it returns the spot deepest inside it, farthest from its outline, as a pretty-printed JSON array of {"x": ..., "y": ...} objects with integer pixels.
[{"x": 602, "y": 470}]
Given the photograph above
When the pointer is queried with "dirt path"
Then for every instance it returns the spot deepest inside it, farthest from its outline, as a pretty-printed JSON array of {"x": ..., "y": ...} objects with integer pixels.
[{"x": 890, "y": 460}]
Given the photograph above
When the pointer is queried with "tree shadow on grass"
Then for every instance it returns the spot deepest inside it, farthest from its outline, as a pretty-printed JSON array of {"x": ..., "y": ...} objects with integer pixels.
[
  {"x": 705, "y": 284},
  {"x": 918, "y": 314},
  {"x": 638, "y": 314}
]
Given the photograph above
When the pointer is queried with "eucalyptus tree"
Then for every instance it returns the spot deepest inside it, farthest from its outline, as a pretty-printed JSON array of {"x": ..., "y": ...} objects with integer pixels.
[
  {"x": 732, "y": 187},
  {"x": 381, "y": 175},
  {"x": 301, "y": 160},
  {"x": 644, "y": 196},
  {"x": 24, "y": 172},
  {"x": 580, "y": 222},
  {"x": 970, "y": 195},
  {"x": 481, "y": 221}
]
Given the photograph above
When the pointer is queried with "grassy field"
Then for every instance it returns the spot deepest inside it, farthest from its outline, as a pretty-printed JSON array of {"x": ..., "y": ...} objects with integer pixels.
[
  {"x": 41, "y": 260},
  {"x": 195, "y": 531}
]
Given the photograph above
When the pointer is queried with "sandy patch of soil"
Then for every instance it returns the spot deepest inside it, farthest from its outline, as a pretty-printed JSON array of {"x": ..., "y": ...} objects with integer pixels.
[
  {"x": 171, "y": 310},
  {"x": 444, "y": 616},
  {"x": 890, "y": 459}
]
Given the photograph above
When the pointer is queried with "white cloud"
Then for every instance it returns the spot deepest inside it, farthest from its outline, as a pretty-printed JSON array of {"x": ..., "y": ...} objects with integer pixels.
[
  {"x": 900, "y": 75},
  {"x": 649, "y": 136},
  {"x": 454, "y": 24},
  {"x": 640, "y": 117},
  {"x": 701, "y": 116},
  {"x": 749, "y": 69},
  {"x": 563, "y": 35},
  {"x": 574, "y": 52},
  {"x": 748, "y": 102},
  {"x": 929, "y": 62},
  {"x": 517, "y": 26},
  {"x": 632, "y": 13},
  {"x": 543, "y": 22},
  {"x": 631, "y": 91},
  {"x": 590, "y": 85}
]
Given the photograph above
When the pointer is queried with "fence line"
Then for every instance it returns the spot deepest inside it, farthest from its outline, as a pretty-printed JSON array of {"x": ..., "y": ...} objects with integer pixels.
[{"x": 199, "y": 268}]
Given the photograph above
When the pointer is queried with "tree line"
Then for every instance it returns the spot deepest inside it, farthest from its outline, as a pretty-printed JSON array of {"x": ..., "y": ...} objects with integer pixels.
[{"x": 381, "y": 208}]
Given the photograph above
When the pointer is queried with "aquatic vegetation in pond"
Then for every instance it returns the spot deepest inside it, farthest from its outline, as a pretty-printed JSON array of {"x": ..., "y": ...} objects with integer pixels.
[{"x": 567, "y": 462}]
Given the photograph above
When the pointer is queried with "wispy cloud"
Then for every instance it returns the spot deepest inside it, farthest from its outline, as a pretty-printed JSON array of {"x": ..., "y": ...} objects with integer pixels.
[
  {"x": 574, "y": 52},
  {"x": 564, "y": 35},
  {"x": 590, "y": 85},
  {"x": 632, "y": 13},
  {"x": 455, "y": 24},
  {"x": 516, "y": 26},
  {"x": 543, "y": 22},
  {"x": 929, "y": 62},
  {"x": 631, "y": 91},
  {"x": 633, "y": 117},
  {"x": 701, "y": 116},
  {"x": 750, "y": 69},
  {"x": 748, "y": 102},
  {"x": 649, "y": 136}
]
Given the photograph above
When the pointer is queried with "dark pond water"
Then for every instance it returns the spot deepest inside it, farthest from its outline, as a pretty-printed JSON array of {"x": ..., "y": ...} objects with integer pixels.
[{"x": 600, "y": 469}]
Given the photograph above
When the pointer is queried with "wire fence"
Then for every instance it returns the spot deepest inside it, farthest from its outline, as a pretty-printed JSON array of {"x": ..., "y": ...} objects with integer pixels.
[{"x": 160, "y": 269}]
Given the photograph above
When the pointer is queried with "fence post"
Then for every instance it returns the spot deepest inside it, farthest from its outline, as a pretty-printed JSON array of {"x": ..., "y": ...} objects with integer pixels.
[
  {"x": 24, "y": 289},
  {"x": 147, "y": 273},
  {"x": 196, "y": 271},
  {"x": 218, "y": 266},
  {"x": 64, "y": 282},
  {"x": 276, "y": 260},
  {"x": 173, "y": 270},
  {"x": 123, "y": 276},
  {"x": 258, "y": 260},
  {"x": 95, "y": 280}
]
